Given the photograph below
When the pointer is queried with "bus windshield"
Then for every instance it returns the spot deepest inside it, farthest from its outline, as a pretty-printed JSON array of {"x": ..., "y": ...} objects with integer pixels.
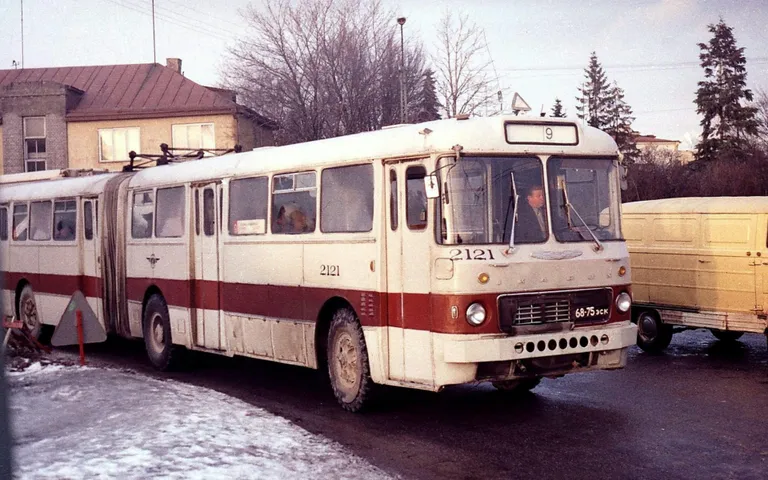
[
  {"x": 479, "y": 200},
  {"x": 480, "y": 193},
  {"x": 584, "y": 195}
]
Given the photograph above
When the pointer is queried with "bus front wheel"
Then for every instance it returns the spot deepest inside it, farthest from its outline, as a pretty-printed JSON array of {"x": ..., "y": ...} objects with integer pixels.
[
  {"x": 157, "y": 333},
  {"x": 653, "y": 335},
  {"x": 348, "y": 367}
]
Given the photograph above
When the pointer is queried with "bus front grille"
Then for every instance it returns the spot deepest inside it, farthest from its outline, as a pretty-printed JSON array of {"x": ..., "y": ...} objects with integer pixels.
[{"x": 579, "y": 306}]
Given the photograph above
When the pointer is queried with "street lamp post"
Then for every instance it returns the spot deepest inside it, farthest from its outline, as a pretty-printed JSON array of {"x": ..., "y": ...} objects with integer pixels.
[{"x": 403, "y": 97}]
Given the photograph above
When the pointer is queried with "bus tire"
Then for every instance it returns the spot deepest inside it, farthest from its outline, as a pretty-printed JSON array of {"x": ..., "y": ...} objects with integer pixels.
[
  {"x": 726, "y": 335},
  {"x": 157, "y": 333},
  {"x": 517, "y": 386},
  {"x": 653, "y": 335},
  {"x": 28, "y": 314},
  {"x": 348, "y": 368}
]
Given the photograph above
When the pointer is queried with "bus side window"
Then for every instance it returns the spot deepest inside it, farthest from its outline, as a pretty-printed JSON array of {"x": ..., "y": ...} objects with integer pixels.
[
  {"x": 143, "y": 213},
  {"x": 294, "y": 208},
  {"x": 209, "y": 212},
  {"x": 393, "y": 220},
  {"x": 20, "y": 222},
  {"x": 415, "y": 198},
  {"x": 3, "y": 223},
  {"x": 40, "y": 220},
  {"x": 170, "y": 212},
  {"x": 342, "y": 188},
  {"x": 64, "y": 220},
  {"x": 248, "y": 198},
  {"x": 88, "y": 219}
]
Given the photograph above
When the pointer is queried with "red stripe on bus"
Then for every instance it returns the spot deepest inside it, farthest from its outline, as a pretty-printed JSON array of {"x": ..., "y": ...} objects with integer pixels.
[{"x": 427, "y": 312}]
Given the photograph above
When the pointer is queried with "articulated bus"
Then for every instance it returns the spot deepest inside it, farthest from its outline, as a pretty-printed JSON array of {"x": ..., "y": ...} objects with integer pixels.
[{"x": 397, "y": 257}]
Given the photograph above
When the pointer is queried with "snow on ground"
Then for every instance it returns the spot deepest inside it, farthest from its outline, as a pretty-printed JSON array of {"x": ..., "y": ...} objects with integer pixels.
[{"x": 80, "y": 422}]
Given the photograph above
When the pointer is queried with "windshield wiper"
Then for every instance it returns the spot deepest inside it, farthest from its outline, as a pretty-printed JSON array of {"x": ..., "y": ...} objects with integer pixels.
[
  {"x": 514, "y": 214},
  {"x": 568, "y": 208}
]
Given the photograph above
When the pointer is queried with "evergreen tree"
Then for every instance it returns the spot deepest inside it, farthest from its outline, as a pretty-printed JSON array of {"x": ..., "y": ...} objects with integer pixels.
[
  {"x": 595, "y": 95},
  {"x": 727, "y": 124},
  {"x": 428, "y": 106},
  {"x": 619, "y": 126},
  {"x": 557, "y": 109}
]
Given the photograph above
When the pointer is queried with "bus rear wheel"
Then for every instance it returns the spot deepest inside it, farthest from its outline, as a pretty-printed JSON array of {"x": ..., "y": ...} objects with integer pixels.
[
  {"x": 348, "y": 366},
  {"x": 726, "y": 335},
  {"x": 653, "y": 335},
  {"x": 157, "y": 334},
  {"x": 28, "y": 314},
  {"x": 517, "y": 386}
]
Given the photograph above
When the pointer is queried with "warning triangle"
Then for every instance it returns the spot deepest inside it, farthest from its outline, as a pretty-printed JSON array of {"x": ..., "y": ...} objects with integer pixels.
[
  {"x": 520, "y": 105},
  {"x": 66, "y": 330}
]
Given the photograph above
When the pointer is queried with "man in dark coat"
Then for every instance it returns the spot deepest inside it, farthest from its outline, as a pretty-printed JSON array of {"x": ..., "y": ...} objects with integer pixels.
[{"x": 532, "y": 217}]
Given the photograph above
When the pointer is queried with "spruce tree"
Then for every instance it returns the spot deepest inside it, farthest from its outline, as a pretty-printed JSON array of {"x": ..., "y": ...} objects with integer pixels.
[
  {"x": 557, "y": 109},
  {"x": 428, "y": 106},
  {"x": 619, "y": 125},
  {"x": 726, "y": 123},
  {"x": 594, "y": 97}
]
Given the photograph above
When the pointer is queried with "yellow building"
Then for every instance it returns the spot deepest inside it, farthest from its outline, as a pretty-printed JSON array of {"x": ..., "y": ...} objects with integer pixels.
[{"x": 92, "y": 117}]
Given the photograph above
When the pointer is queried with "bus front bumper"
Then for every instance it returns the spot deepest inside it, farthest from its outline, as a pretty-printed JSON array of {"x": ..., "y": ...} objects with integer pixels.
[{"x": 612, "y": 337}]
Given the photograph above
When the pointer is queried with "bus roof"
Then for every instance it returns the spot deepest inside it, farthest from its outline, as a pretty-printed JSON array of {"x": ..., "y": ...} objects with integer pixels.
[
  {"x": 63, "y": 187},
  {"x": 475, "y": 135},
  {"x": 694, "y": 205}
]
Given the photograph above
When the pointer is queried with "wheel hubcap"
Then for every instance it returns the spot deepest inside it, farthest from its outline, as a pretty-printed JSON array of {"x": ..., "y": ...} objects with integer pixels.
[
  {"x": 29, "y": 313},
  {"x": 158, "y": 333},
  {"x": 648, "y": 328},
  {"x": 346, "y": 361}
]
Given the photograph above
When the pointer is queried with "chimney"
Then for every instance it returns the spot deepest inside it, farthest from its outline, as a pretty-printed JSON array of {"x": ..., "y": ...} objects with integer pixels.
[{"x": 174, "y": 64}]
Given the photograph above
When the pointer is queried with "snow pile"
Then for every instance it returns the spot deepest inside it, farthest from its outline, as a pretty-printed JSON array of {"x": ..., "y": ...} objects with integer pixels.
[{"x": 73, "y": 422}]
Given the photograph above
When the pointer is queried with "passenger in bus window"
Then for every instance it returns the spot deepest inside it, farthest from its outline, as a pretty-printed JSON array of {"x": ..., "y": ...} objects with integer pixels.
[
  {"x": 64, "y": 231},
  {"x": 532, "y": 217},
  {"x": 291, "y": 219}
]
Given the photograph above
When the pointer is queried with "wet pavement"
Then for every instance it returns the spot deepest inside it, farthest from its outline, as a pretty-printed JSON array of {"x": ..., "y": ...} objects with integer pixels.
[{"x": 700, "y": 410}]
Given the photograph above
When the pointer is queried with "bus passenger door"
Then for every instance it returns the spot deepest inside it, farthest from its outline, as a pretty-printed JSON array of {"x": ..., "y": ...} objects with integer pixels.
[
  {"x": 408, "y": 274},
  {"x": 90, "y": 284},
  {"x": 205, "y": 284}
]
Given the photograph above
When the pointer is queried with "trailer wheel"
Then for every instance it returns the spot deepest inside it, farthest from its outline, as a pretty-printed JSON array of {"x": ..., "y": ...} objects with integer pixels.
[
  {"x": 28, "y": 314},
  {"x": 348, "y": 368},
  {"x": 726, "y": 335},
  {"x": 157, "y": 333},
  {"x": 517, "y": 386},
  {"x": 653, "y": 335}
]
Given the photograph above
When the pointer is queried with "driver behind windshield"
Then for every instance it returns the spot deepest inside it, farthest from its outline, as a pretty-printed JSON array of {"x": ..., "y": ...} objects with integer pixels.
[{"x": 532, "y": 217}]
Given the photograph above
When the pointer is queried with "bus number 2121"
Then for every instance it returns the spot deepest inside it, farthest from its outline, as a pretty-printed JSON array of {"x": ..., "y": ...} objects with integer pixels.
[{"x": 329, "y": 270}]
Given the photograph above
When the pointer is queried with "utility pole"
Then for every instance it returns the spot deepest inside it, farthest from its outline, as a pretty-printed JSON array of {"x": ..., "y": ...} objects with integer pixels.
[
  {"x": 154, "y": 44},
  {"x": 22, "y": 34},
  {"x": 403, "y": 98}
]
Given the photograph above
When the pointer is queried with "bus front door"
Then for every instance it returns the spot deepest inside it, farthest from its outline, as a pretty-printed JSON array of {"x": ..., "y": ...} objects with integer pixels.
[
  {"x": 208, "y": 332},
  {"x": 408, "y": 274}
]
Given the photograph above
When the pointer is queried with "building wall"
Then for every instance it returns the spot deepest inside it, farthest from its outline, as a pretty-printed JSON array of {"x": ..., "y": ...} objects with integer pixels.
[
  {"x": 252, "y": 135},
  {"x": 33, "y": 99},
  {"x": 2, "y": 158},
  {"x": 672, "y": 146},
  {"x": 84, "y": 137}
]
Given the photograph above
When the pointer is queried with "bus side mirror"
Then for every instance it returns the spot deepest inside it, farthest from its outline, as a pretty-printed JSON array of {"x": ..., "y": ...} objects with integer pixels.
[{"x": 431, "y": 187}]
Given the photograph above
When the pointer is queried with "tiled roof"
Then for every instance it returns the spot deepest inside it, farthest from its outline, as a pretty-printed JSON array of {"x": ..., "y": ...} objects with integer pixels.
[{"x": 131, "y": 91}]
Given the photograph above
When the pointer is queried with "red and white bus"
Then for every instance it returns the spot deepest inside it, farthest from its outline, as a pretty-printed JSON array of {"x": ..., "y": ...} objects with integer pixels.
[{"x": 402, "y": 257}]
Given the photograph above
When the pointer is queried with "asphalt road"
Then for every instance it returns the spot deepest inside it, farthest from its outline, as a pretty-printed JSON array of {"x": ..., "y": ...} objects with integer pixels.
[{"x": 698, "y": 411}]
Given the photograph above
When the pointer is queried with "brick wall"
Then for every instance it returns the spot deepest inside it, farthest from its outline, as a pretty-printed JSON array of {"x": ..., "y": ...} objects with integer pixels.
[{"x": 34, "y": 99}]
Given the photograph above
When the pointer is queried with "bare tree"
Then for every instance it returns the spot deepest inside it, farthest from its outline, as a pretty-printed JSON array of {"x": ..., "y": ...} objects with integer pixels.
[
  {"x": 761, "y": 102},
  {"x": 464, "y": 84},
  {"x": 322, "y": 68}
]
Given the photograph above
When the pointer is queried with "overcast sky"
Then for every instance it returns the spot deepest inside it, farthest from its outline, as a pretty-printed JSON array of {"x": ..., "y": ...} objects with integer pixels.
[{"x": 539, "y": 48}]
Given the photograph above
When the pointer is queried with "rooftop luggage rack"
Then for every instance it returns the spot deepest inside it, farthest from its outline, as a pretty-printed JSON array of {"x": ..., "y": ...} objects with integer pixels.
[{"x": 168, "y": 156}]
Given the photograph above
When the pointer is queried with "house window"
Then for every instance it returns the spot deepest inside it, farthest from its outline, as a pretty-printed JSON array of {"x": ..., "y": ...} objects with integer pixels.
[
  {"x": 34, "y": 144},
  {"x": 194, "y": 136},
  {"x": 115, "y": 143}
]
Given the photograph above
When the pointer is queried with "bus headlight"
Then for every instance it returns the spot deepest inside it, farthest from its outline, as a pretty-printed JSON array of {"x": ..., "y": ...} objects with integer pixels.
[
  {"x": 623, "y": 302},
  {"x": 475, "y": 314}
]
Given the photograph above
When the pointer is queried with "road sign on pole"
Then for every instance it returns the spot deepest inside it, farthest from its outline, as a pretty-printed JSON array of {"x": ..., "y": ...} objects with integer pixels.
[{"x": 66, "y": 331}]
